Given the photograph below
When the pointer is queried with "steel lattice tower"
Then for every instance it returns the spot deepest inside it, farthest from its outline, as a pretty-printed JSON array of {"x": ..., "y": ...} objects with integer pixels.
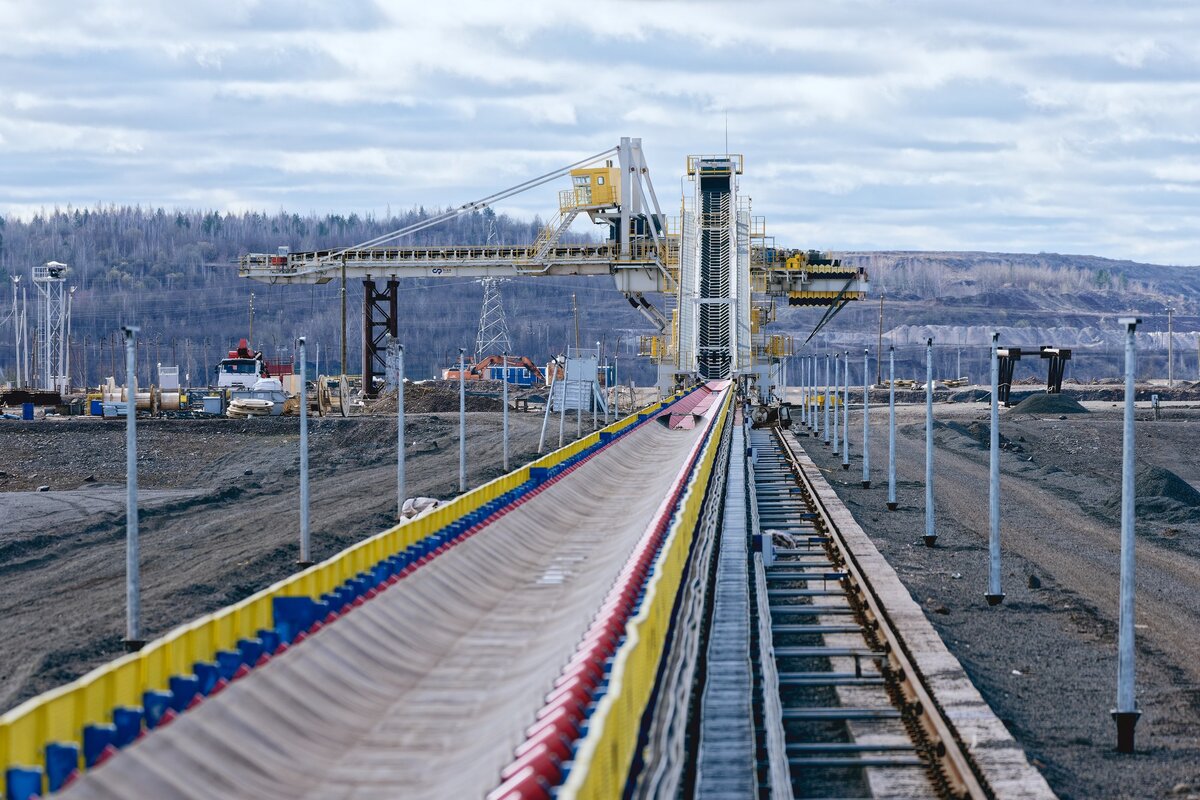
[{"x": 492, "y": 338}]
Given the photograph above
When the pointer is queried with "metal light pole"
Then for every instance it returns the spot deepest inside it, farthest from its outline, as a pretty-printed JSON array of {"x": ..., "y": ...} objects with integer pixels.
[
  {"x": 1126, "y": 713},
  {"x": 994, "y": 595},
  {"x": 866, "y": 479},
  {"x": 1170, "y": 347},
  {"x": 305, "y": 543},
  {"x": 825, "y": 400},
  {"x": 810, "y": 380},
  {"x": 837, "y": 381},
  {"x": 66, "y": 344},
  {"x": 808, "y": 392},
  {"x": 930, "y": 535},
  {"x": 462, "y": 421},
  {"x": 133, "y": 581},
  {"x": 892, "y": 505},
  {"x": 845, "y": 413},
  {"x": 401, "y": 489},
  {"x": 879, "y": 362},
  {"x": 803, "y": 390},
  {"x": 504, "y": 403},
  {"x": 16, "y": 317}
]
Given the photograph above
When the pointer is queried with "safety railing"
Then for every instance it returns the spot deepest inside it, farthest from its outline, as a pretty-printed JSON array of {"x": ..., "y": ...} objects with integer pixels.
[
  {"x": 58, "y": 717},
  {"x": 603, "y": 759}
]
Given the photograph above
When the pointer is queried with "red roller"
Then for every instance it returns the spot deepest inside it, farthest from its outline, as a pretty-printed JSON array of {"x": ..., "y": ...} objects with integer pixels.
[
  {"x": 566, "y": 702},
  {"x": 526, "y": 785},
  {"x": 560, "y": 722},
  {"x": 543, "y": 761},
  {"x": 558, "y": 744},
  {"x": 577, "y": 689}
]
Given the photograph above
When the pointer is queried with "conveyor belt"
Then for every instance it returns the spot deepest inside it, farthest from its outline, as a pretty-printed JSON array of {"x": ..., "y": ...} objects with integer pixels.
[{"x": 425, "y": 690}]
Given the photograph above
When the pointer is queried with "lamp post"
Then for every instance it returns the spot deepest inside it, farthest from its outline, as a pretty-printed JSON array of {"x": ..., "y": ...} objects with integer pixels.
[
  {"x": 133, "y": 580},
  {"x": 1126, "y": 713},
  {"x": 462, "y": 421},
  {"x": 401, "y": 489},
  {"x": 866, "y": 478},
  {"x": 930, "y": 534},
  {"x": 994, "y": 595},
  {"x": 892, "y": 505},
  {"x": 1170, "y": 347}
]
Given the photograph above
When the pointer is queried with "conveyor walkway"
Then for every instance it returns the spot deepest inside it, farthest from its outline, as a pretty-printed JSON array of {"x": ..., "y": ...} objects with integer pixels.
[
  {"x": 725, "y": 763},
  {"x": 424, "y": 691}
]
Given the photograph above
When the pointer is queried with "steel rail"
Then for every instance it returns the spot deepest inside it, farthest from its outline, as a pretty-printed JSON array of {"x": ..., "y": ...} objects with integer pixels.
[{"x": 957, "y": 769}]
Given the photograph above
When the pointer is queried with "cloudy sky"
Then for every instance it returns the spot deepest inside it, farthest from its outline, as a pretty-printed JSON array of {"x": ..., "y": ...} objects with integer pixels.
[{"x": 1018, "y": 126}]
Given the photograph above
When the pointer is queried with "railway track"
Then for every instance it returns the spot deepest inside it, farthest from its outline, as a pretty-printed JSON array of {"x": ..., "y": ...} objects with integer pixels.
[{"x": 858, "y": 718}]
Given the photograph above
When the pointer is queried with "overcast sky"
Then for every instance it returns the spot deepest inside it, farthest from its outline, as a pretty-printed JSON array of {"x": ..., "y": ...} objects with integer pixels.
[{"x": 1016, "y": 126}]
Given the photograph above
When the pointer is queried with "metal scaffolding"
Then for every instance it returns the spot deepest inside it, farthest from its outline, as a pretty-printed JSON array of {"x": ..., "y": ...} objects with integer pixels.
[{"x": 50, "y": 279}]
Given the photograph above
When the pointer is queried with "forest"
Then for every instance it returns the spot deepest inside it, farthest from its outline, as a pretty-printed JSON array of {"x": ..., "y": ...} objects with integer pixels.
[{"x": 173, "y": 272}]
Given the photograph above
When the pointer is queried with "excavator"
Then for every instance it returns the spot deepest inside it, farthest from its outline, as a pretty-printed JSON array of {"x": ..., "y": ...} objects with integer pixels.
[{"x": 482, "y": 370}]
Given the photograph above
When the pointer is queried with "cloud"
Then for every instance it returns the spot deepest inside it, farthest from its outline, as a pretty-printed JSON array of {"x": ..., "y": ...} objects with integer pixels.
[{"x": 865, "y": 124}]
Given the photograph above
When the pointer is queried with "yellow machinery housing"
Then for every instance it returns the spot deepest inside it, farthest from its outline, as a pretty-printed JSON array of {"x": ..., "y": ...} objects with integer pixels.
[{"x": 595, "y": 187}]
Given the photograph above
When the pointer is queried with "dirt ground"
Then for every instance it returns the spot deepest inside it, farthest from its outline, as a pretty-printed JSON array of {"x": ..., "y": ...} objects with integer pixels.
[
  {"x": 1046, "y": 658},
  {"x": 218, "y": 518}
]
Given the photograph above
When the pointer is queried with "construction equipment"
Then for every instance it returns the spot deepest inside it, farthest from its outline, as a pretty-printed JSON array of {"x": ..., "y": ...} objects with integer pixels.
[
  {"x": 519, "y": 370},
  {"x": 714, "y": 264}
]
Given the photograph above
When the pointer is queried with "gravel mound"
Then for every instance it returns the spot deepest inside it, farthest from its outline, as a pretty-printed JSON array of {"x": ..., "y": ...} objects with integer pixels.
[
  {"x": 422, "y": 398},
  {"x": 1161, "y": 495},
  {"x": 1049, "y": 404},
  {"x": 979, "y": 434}
]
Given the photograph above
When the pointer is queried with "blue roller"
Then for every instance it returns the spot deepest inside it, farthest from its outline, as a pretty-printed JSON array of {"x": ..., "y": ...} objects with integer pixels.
[
  {"x": 228, "y": 662},
  {"x": 96, "y": 737},
  {"x": 128, "y": 722},
  {"x": 250, "y": 649},
  {"x": 183, "y": 689},
  {"x": 23, "y": 783},
  {"x": 270, "y": 640},
  {"x": 62, "y": 761}
]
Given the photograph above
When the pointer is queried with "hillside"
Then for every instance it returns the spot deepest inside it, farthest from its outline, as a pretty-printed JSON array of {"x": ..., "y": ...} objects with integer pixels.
[
  {"x": 173, "y": 271},
  {"x": 958, "y": 299}
]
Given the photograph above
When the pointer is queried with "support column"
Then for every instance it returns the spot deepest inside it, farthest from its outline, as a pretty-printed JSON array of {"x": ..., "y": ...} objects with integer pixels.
[{"x": 379, "y": 322}]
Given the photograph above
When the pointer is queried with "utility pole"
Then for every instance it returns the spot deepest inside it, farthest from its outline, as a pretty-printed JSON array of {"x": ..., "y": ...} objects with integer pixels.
[
  {"x": 401, "y": 489},
  {"x": 343, "y": 369},
  {"x": 866, "y": 446},
  {"x": 503, "y": 404},
  {"x": 930, "y": 533},
  {"x": 16, "y": 318},
  {"x": 994, "y": 594},
  {"x": 575, "y": 311},
  {"x": 1126, "y": 713},
  {"x": 25, "y": 336},
  {"x": 462, "y": 421},
  {"x": 879, "y": 361},
  {"x": 133, "y": 581},
  {"x": 305, "y": 559},
  {"x": 1170, "y": 347}
]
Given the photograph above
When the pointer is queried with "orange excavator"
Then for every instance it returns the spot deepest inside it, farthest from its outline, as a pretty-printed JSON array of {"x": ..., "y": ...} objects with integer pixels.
[{"x": 482, "y": 370}]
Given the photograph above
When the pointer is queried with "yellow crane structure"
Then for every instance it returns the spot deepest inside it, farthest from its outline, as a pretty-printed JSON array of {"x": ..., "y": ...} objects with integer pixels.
[{"x": 719, "y": 272}]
